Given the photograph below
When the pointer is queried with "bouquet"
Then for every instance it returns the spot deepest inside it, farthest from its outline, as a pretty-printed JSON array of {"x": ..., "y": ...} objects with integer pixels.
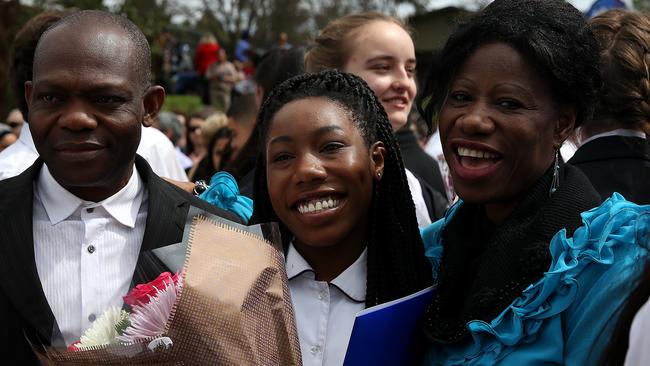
[{"x": 229, "y": 304}]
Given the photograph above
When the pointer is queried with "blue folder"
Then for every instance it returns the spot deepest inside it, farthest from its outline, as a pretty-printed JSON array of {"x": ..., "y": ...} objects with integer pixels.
[{"x": 383, "y": 334}]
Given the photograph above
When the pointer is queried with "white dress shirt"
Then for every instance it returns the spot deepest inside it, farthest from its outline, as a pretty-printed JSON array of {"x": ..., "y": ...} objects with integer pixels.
[
  {"x": 325, "y": 311},
  {"x": 618, "y": 132},
  {"x": 421, "y": 211},
  {"x": 18, "y": 156},
  {"x": 86, "y": 252},
  {"x": 154, "y": 147},
  {"x": 638, "y": 351}
]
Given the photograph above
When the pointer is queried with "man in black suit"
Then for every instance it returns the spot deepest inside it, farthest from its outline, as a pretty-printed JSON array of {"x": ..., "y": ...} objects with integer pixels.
[{"x": 88, "y": 98}]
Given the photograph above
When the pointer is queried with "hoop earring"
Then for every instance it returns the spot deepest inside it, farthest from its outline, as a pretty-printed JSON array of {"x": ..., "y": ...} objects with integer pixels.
[{"x": 555, "y": 183}]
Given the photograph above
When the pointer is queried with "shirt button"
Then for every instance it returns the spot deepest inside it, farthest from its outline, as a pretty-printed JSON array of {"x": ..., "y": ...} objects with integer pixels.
[
  {"x": 90, "y": 209},
  {"x": 91, "y": 249},
  {"x": 315, "y": 349},
  {"x": 92, "y": 317}
]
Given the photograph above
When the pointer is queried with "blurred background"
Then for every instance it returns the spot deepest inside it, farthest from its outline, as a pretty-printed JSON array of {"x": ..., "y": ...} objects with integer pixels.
[{"x": 175, "y": 27}]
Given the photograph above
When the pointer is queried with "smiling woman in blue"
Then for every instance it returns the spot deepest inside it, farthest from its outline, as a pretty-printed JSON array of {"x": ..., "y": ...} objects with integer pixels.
[{"x": 532, "y": 266}]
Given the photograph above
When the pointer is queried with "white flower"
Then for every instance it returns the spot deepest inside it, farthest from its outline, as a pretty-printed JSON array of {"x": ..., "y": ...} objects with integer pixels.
[{"x": 103, "y": 331}]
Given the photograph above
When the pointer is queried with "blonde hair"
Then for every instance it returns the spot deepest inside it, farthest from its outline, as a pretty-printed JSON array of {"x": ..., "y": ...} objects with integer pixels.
[
  {"x": 329, "y": 50},
  {"x": 208, "y": 38},
  {"x": 624, "y": 100},
  {"x": 212, "y": 124}
]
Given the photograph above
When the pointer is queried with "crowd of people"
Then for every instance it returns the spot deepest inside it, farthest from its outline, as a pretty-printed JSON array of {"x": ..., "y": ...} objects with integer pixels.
[{"x": 533, "y": 259}]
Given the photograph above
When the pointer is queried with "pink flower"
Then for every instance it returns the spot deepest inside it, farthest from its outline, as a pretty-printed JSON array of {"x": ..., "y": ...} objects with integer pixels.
[
  {"x": 149, "y": 320},
  {"x": 141, "y": 294}
]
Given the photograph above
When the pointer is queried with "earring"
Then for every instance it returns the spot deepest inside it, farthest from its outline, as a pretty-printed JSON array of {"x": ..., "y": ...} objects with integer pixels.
[
  {"x": 379, "y": 174},
  {"x": 555, "y": 183}
]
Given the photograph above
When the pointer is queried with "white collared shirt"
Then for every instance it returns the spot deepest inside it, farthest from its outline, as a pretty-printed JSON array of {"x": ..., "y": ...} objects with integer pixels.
[
  {"x": 421, "y": 211},
  {"x": 638, "y": 351},
  {"x": 86, "y": 252},
  {"x": 325, "y": 311},
  {"x": 618, "y": 132},
  {"x": 154, "y": 147},
  {"x": 19, "y": 155}
]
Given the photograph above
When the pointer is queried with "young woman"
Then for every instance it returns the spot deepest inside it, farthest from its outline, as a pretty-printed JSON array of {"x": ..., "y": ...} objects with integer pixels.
[
  {"x": 330, "y": 173},
  {"x": 530, "y": 269},
  {"x": 379, "y": 49}
]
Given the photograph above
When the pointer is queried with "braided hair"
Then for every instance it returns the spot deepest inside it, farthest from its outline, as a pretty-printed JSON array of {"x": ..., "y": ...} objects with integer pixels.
[{"x": 396, "y": 262}]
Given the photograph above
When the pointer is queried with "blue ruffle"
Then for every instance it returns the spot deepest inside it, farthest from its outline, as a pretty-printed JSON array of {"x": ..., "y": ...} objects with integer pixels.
[
  {"x": 614, "y": 224},
  {"x": 224, "y": 193}
]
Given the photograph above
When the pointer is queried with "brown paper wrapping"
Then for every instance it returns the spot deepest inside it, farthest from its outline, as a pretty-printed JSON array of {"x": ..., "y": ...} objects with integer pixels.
[{"x": 234, "y": 308}]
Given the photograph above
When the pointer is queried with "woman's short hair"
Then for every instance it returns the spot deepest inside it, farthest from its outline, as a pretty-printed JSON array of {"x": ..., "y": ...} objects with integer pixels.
[
  {"x": 396, "y": 262},
  {"x": 330, "y": 49},
  {"x": 551, "y": 34},
  {"x": 624, "y": 38}
]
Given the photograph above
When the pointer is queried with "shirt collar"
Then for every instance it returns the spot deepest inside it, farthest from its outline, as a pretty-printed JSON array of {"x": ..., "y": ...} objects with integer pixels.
[
  {"x": 619, "y": 132},
  {"x": 26, "y": 137},
  {"x": 60, "y": 204},
  {"x": 352, "y": 281}
]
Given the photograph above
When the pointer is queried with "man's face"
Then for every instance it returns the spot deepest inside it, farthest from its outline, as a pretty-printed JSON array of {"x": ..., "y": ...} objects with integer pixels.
[
  {"x": 241, "y": 132},
  {"x": 15, "y": 121},
  {"x": 86, "y": 108}
]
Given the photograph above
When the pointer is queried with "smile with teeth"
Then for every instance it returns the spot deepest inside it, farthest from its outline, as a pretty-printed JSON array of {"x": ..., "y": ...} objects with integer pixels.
[
  {"x": 479, "y": 154},
  {"x": 317, "y": 205},
  {"x": 396, "y": 100}
]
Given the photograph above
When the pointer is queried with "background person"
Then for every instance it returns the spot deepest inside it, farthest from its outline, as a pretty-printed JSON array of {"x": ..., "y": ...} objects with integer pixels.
[
  {"x": 7, "y": 137},
  {"x": 379, "y": 49},
  {"x": 275, "y": 67},
  {"x": 615, "y": 153},
  {"x": 530, "y": 270},
  {"x": 222, "y": 77},
  {"x": 15, "y": 121}
]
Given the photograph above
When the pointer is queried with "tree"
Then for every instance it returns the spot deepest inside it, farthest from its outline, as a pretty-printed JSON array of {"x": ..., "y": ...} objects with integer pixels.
[
  {"x": 300, "y": 19},
  {"x": 151, "y": 16}
]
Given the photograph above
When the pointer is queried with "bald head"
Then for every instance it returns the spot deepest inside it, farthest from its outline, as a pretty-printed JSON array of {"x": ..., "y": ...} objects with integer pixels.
[{"x": 104, "y": 30}]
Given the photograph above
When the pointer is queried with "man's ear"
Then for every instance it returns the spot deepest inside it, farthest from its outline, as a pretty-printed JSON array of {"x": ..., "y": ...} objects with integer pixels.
[
  {"x": 377, "y": 156},
  {"x": 153, "y": 100},
  {"x": 564, "y": 125}
]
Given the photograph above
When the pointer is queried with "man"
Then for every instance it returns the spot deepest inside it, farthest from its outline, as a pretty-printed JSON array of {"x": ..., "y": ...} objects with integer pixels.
[
  {"x": 154, "y": 147},
  {"x": 241, "y": 120},
  {"x": 15, "y": 121},
  {"x": 170, "y": 125},
  {"x": 77, "y": 226}
]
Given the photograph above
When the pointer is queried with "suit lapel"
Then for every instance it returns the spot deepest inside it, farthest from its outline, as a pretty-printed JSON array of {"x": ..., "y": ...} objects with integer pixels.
[
  {"x": 166, "y": 215},
  {"x": 17, "y": 264}
]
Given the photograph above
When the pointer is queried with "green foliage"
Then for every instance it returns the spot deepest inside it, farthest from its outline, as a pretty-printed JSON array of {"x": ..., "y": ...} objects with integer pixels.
[
  {"x": 642, "y": 5},
  {"x": 151, "y": 16},
  {"x": 186, "y": 104},
  {"x": 121, "y": 326}
]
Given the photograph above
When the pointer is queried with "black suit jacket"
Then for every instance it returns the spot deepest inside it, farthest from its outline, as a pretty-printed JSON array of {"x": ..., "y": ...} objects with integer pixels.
[
  {"x": 617, "y": 164},
  {"x": 418, "y": 161},
  {"x": 24, "y": 308}
]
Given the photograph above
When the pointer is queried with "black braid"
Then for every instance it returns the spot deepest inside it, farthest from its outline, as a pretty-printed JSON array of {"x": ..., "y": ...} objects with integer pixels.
[{"x": 396, "y": 262}]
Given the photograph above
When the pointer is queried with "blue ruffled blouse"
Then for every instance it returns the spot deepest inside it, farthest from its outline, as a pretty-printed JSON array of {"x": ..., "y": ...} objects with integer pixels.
[{"x": 567, "y": 316}]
